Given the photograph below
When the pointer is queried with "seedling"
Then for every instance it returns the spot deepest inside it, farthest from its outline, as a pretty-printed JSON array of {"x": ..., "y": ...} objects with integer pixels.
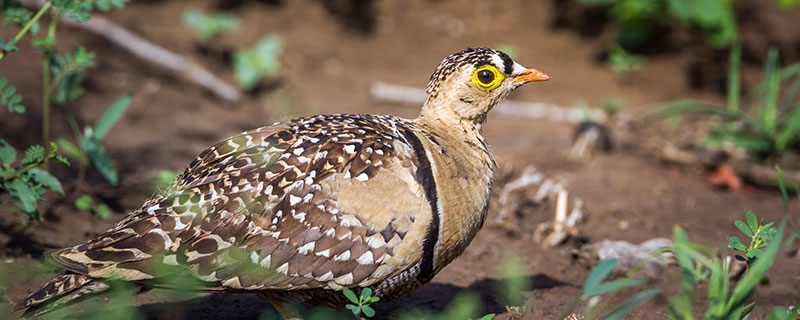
[
  {"x": 208, "y": 27},
  {"x": 696, "y": 266},
  {"x": 86, "y": 203},
  {"x": 262, "y": 60},
  {"x": 361, "y": 303},
  {"x": 760, "y": 234}
]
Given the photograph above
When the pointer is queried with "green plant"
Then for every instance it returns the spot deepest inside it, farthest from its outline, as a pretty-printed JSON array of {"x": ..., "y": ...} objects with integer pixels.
[
  {"x": 252, "y": 65},
  {"x": 90, "y": 151},
  {"x": 54, "y": 67},
  {"x": 26, "y": 182},
  {"x": 759, "y": 233},
  {"x": 68, "y": 72},
  {"x": 623, "y": 63},
  {"x": 10, "y": 98},
  {"x": 698, "y": 264},
  {"x": 361, "y": 303},
  {"x": 595, "y": 286},
  {"x": 85, "y": 202},
  {"x": 208, "y": 27},
  {"x": 636, "y": 19},
  {"x": 767, "y": 132},
  {"x": 61, "y": 81}
]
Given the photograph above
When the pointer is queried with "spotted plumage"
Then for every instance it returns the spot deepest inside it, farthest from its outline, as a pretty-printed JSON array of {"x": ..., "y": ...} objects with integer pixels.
[{"x": 300, "y": 210}]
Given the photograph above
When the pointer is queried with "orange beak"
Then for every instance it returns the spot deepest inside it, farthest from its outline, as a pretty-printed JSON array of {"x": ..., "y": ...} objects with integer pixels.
[{"x": 530, "y": 76}]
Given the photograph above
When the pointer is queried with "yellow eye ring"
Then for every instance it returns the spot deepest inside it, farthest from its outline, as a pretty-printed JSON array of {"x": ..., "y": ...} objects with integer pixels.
[{"x": 487, "y": 77}]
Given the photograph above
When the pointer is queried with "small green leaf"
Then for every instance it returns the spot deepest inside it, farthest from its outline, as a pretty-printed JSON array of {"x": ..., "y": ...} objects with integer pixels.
[
  {"x": 736, "y": 244},
  {"x": 365, "y": 294},
  {"x": 598, "y": 274},
  {"x": 373, "y": 300},
  {"x": 355, "y": 309},
  {"x": 15, "y": 100},
  {"x": 368, "y": 311},
  {"x": 743, "y": 228},
  {"x": 24, "y": 198},
  {"x": 111, "y": 116},
  {"x": 7, "y": 153},
  {"x": 103, "y": 211},
  {"x": 10, "y": 91},
  {"x": 72, "y": 151},
  {"x": 251, "y": 65},
  {"x": 84, "y": 202},
  {"x": 34, "y": 154},
  {"x": 752, "y": 221},
  {"x": 100, "y": 159},
  {"x": 754, "y": 253},
  {"x": 488, "y": 317},
  {"x": 46, "y": 179},
  {"x": 350, "y": 295}
]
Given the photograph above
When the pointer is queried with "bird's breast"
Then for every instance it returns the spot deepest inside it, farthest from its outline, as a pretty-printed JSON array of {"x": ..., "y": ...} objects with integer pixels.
[{"x": 463, "y": 176}]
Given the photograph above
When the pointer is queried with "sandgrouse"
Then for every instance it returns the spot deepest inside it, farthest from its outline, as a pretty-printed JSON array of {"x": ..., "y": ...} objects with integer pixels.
[{"x": 301, "y": 210}]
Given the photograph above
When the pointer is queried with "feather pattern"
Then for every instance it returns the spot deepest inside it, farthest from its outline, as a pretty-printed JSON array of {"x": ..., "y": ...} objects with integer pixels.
[{"x": 266, "y": 210}]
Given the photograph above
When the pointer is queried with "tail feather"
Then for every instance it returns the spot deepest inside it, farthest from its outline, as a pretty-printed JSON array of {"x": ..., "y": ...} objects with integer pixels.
[{"x": 62, "y": 290}]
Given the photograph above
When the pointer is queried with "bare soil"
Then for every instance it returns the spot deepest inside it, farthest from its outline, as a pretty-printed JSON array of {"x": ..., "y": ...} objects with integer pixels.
[{"x": 329, "y": 67}]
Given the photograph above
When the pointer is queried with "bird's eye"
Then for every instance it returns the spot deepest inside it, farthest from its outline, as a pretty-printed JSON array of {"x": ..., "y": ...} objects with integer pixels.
[{"x": 487, "y": 77}]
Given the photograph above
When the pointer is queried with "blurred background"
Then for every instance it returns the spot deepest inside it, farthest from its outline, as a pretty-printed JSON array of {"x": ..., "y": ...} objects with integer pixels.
[{"x": 658, "y": 113}]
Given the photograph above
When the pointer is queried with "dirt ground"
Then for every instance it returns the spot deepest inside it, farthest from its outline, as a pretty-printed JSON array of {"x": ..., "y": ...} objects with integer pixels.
[{"x": 329, "y": 68}]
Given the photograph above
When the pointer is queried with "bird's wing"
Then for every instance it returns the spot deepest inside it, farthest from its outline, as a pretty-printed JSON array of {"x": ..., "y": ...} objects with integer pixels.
[{"x": 321, "y": 202}]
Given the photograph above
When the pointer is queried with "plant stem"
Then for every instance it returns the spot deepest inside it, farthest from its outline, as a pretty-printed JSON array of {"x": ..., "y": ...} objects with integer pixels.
[
  {"x": 51, "y": 33},
  {"x": 46, "y": 98},
  {"x": 23, "y": 170},
  {"x": 734, "y": 87},
  {"x": 28, "y": 25}
]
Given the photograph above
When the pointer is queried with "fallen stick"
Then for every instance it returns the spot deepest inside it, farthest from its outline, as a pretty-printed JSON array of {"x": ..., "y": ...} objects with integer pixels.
[
  {"x": 511, "y": 109},
  {"x": 152, "y": 53}
]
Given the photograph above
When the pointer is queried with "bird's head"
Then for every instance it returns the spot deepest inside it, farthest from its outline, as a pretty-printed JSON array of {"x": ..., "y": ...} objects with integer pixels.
[{"x": 467, "y": 84}]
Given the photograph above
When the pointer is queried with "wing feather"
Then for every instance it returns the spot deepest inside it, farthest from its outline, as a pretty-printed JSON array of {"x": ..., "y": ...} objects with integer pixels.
[{"x": 289, "y": 206}]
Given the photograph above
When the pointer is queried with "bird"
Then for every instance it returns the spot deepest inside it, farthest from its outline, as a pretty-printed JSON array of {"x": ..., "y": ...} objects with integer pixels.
[{"x": 300, "y": 210}]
